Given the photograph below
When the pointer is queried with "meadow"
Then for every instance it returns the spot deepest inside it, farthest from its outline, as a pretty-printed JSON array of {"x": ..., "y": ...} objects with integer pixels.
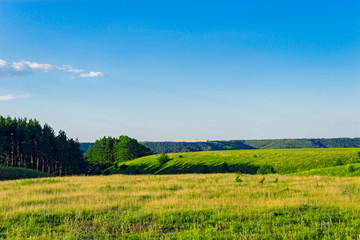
[
  {"x": 181, "y": 206},
  {"x": 284, "y": 161}
]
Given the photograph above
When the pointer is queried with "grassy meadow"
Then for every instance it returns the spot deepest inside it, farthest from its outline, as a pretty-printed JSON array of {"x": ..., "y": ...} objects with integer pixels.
[
  {"x": 314, "y": 195},
  {"x": 188, "y": 206},
  {"x": 284, "y": 161}
]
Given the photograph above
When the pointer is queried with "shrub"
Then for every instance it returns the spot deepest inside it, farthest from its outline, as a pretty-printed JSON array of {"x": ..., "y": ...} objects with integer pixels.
[
  {"x": 265, "y": 169},
  {"x": 225, "y": 167},
  {"x": 106, "y": 172},
  {"x": 95, "y": 171},
  {"x": 181, "y": 156},
  {"x": 354, "y": 161},
  {"x": 262, "y": 180},
  {"x": 123, "y": 167},
  {"x": 350, "y": 168},
  {"x": 205, "y": 169},
  {"x": 238, "y": 179},
  {"x": 338, "y": 162},
  {"x": 163, "y": 158}
]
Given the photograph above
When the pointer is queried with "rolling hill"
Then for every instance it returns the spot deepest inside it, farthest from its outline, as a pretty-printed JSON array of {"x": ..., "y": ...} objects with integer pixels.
[
  {"x": 283, "y": 161},
  {"x": 349, "y": 170},
  {"x": 12, "y": 173}
]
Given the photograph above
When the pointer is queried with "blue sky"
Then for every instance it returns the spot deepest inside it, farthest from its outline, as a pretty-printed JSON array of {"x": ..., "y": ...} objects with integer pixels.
[{"x": 182, "y": 70}]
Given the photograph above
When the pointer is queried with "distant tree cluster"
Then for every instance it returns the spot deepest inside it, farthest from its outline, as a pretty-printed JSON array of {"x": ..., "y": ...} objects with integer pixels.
[
  {"x": 108, "y": 150},
  {"x": 163, "y": 158},
  {"x": 174, "y": 147},
  {"x": 25, "y": 143},
  {"x": 265, "y": 169}
]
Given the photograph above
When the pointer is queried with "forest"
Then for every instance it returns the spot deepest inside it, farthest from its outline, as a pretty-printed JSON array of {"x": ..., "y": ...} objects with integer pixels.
[
  {"x": 173, "y": 147},
  {"x": 109, "y": 150},
  {"x": 211, "y": 145},
  {"x": 27, "y": 144}
]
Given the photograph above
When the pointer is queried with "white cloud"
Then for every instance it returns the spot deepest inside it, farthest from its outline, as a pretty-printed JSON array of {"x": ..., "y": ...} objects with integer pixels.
[
  {"x": 11, "y": 97},
  {"x": 3, "y": 63},
  {"x": 92, "y": 74},
  {"x": 30, "y": 66},
  {"x": 68, "y": 68},
  {"x": 27, "y": 67}
]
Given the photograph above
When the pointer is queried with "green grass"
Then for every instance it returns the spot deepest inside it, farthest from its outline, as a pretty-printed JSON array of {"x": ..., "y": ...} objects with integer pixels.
[
  {"x": 11, "y": 173},
  {"x": 193, "y": 206},
  {"x": 188, "y": 206},
  {"x": 284, "y": 161},
  {"x": 340, "y": 171}
]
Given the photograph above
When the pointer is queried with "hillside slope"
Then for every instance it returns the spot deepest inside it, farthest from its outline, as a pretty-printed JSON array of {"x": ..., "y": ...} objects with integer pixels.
[
  {"x": 12, "y": 173},
  {"x": 349, "y": 170},
  {"x": 245, "y": 161}
]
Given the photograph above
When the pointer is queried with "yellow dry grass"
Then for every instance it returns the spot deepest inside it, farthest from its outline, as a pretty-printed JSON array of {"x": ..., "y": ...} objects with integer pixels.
[{"x": 156, "y": 194}]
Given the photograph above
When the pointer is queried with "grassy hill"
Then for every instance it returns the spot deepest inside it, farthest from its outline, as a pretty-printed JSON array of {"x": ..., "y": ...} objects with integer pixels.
[
  {"x": 349, "y": 170},
  {"x": 283, "y": 161},
  {"x": 11, "y": 173},
  {"x": 188, "y": 206}
]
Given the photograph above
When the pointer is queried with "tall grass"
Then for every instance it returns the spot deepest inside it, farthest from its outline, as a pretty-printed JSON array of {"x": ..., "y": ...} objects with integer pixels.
[{"x": 191, "y": 206}]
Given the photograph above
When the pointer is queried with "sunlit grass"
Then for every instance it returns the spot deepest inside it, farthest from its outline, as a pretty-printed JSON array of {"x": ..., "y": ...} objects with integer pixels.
[
  {"x": 284, "y": 161},
  {"x": 180, "y": 206}
]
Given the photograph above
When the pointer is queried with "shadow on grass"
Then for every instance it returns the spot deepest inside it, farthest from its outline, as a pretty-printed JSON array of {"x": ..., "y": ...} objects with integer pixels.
[{"x": 190, "y": 168}]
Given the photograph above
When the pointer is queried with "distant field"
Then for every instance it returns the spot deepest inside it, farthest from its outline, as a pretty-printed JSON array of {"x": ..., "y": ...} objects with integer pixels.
[
  {"x": 10, "y": 173},
  {"x": 284, "y": 161},
  {"x": 190, "y": 206}
]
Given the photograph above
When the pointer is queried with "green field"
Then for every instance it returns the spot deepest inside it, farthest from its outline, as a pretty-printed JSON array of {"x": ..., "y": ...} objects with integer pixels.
[
  {"x": 166, "y": 204},
  {"x": 11, "y": 173},
  {"x": 349, "y": 170},
  {"x": 284, "y": 161},
  {"x": 188, "y": 206}
]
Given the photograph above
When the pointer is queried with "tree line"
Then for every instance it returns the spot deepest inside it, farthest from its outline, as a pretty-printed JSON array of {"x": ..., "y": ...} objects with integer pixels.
[
  {"x": 28, "y": 144},
  {"x": 108, "y": 151},
  {"x": 174, "y": 147}
]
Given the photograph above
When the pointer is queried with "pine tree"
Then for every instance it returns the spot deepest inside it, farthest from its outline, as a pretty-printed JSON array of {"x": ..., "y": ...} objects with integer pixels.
[{"x": 27, "y": 144}]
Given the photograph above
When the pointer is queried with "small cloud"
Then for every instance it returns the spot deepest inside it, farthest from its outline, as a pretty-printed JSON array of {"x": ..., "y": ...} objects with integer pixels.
[
  {"x": 26, "y": 67},
  {"x": 92, "y": 74},
  {"x": 11, "y": 97},
  {"x": 68, "y": 68},
  {"x": 3, "y": 63}
]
